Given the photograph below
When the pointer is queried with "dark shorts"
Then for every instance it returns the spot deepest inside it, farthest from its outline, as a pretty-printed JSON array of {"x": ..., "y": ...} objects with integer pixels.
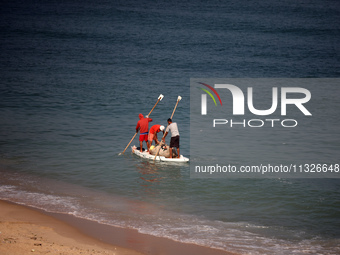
[{"x": 174, "y": 142}]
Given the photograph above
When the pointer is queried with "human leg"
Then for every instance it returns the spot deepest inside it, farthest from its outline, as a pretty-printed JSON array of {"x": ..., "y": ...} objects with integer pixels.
[
  {"x": 141, "y": 146},
  {"x": 148, "y": 145}
]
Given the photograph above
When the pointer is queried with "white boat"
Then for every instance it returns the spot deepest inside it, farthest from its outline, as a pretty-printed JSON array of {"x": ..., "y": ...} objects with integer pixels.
[{"x": 146, "y": 155}]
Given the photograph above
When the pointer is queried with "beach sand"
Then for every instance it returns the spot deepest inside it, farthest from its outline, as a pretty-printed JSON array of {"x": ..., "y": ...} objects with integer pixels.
[{"x": 25, "y": 230}]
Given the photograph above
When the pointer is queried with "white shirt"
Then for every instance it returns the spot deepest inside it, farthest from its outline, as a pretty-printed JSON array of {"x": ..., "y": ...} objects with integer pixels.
[{"x": 173, "y": 128}]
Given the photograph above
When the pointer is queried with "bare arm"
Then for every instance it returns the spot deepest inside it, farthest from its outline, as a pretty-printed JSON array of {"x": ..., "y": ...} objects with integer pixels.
[{"x": 166, "y": 133}]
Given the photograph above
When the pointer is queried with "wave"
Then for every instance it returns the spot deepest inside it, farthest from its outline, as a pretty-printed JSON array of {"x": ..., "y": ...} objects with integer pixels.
[{"x": 109, "y": 209}]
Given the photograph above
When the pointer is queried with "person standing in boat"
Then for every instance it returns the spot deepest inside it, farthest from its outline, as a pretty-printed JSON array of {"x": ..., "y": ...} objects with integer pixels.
[
  {"x": 174, "y": 141},
  {"x": 143, "y": 127},
  {"x": 153, "y": 133}
]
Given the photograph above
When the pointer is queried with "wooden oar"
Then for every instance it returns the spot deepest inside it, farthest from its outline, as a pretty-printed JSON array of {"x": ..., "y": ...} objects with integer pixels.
[
  {"x": 159, "y": 99},
  {"x": 173, "y": 112}
]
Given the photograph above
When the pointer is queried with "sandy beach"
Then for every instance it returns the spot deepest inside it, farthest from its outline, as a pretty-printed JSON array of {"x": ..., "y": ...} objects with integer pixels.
[{"x": 25, "y": 230}]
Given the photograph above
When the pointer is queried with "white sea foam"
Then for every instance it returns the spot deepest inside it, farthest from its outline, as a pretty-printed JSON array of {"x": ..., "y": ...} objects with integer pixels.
[
  {"x": 157, "y": 222},
  {"x": 109, "y": 209}
]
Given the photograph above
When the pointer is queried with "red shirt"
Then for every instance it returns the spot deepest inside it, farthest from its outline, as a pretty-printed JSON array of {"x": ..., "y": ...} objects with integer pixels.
[
  {"x": 155, "y": 129},
  {"x": 143, "y": 124}
]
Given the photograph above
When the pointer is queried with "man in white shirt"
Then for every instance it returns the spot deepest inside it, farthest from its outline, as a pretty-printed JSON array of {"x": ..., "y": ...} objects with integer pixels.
[{"x": 174, "y": 141}]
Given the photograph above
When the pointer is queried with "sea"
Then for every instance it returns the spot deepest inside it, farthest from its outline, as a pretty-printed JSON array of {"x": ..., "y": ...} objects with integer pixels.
[{"x": 76, "y": 74}]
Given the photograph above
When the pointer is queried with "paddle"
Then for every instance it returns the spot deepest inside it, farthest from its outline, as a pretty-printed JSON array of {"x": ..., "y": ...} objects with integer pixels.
[
  {"x": 159, "y": 99},
  {"x": 173, "y": 112}
]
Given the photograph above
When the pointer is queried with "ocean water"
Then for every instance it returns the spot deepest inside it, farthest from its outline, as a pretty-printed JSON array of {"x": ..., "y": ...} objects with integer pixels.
[{"x": 76, "y": 74}]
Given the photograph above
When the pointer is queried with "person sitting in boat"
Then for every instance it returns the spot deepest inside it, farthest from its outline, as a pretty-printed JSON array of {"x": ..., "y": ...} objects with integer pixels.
[
  {"x": 153, "y": 133},
  {"x": 174, "y": 141},
  {"x": 143, "y": 127}
]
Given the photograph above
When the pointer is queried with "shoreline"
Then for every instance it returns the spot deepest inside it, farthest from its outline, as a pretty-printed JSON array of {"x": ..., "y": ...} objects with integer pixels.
[{"x": 25, "y": 229}]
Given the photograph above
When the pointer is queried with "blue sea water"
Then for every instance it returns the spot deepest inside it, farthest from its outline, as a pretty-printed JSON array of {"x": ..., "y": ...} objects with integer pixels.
[{"x": 76, "y": 74}]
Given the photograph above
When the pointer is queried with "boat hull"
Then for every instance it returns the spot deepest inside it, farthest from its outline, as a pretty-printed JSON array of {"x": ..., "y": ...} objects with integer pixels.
[{"x": 146, "y": 155}]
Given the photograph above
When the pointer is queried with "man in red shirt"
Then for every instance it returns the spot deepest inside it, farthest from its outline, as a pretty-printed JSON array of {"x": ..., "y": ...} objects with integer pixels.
[
  {"x": 143, "y": 127},
  {"x": 153, "y": 133}
]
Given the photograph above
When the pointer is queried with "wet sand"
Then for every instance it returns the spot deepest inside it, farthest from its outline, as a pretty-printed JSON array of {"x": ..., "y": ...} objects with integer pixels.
[{"x": 25, "y": 230}]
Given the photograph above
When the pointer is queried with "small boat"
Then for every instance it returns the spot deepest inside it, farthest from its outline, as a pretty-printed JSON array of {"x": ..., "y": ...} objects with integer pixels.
[{"x": 147, "y": 155}]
